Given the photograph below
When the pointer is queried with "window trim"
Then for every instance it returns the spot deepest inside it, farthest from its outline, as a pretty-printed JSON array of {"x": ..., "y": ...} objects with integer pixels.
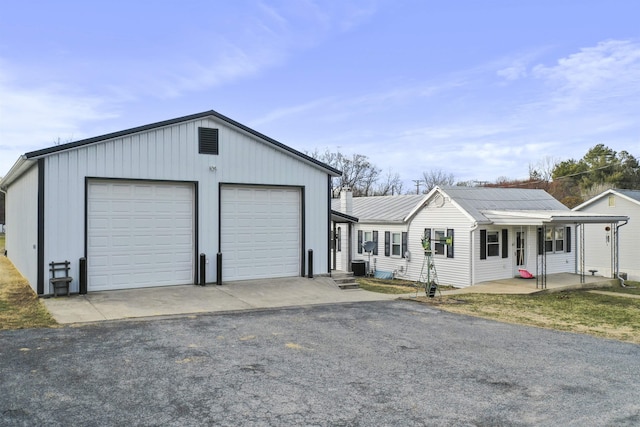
[
  {"x": 397, "y": 244},
  {"x": 493, "y": 246}
]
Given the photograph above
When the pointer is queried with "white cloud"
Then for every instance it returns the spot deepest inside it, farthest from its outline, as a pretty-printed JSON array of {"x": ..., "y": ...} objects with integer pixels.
[
  {"x": 37, "y": 117},
  {"x": 608, "y": 70}
]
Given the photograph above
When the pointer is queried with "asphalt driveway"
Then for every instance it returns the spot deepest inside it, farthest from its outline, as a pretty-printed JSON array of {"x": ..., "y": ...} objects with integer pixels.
[{"x": 369, "y": 363}]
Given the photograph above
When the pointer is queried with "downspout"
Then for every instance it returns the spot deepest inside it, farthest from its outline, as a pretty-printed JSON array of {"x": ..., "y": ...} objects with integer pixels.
[
  {"x": 617, "y": 237},
  {"x": 472, "y": 270}
]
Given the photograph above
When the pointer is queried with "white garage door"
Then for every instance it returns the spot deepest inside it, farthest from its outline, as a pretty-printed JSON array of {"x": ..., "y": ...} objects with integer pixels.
[
  {"x": 139, "y": 234},
  {"x": 260, "y": 232}
]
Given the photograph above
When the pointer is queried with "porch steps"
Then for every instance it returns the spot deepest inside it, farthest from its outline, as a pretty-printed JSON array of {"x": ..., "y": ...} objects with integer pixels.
[{"x": 344, "y": 280}]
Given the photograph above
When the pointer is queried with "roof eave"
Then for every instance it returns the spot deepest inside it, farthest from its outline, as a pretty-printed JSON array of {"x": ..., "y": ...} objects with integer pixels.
[
  {"x": 211, "y": 113},
  {"x": 19, "y": 167}
]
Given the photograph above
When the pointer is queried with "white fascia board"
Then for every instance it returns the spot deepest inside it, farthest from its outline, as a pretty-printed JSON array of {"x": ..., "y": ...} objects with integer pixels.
[
  {"x": 19, "y": 167},
  {"x": 548, "y": 217}
]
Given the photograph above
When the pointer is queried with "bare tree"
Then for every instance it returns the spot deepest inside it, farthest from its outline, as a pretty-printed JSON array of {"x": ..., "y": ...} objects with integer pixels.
[
  {"x": 391, "y": 185},
  {"x": 436, "y": 177},
  {"x": 543, "y": 169},
  {"x": 358, "y": 173}
]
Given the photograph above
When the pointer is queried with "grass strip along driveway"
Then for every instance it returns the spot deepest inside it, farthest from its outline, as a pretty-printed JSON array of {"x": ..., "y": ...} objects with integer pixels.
[
  {"x": 606, "y": 316},
  {"x": 20, "y": 307}
]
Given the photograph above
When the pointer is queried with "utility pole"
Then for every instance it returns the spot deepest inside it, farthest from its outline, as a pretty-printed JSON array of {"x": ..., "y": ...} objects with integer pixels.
[{"x": 418, "y": 182}]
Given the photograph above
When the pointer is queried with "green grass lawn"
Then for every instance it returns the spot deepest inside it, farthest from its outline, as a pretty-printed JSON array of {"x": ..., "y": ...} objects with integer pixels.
[{"x": 608, "y": 316}]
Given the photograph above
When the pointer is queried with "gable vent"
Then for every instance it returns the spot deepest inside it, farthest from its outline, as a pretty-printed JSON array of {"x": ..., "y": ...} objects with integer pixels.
[{"x": 207, "y": 141}]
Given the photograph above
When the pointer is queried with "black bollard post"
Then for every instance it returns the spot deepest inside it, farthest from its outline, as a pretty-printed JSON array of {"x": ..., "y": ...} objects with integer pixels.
[
  {"x": 203, "y": 269},
  {"x": 83, "y": 276},
  {"x": 310, "y": 275},
  {"x": 219, "y": 269}
]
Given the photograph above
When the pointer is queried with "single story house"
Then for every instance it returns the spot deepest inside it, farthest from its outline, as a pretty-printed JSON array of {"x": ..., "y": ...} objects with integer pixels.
[
  {"x": 603, "y": 241},
  {"x": 477, "y": 234},
  {"x": 195, "y": 199}
]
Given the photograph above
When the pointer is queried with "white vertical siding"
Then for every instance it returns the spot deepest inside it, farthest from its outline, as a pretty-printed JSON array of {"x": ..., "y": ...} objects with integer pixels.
[
  {"x": 22, "y": 225},
  {"x": 171, "y": 153}
]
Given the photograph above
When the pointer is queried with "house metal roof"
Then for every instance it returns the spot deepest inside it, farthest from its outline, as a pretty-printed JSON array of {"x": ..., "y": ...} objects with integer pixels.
[
  {"x": 483, "y": 205},
  {"x": 475, "y": 200},
  {"x": 388, "y": 209}
]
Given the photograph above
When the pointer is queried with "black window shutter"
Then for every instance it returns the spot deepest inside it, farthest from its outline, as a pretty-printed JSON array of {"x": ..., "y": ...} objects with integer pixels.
[
  {"x": 567, "y": 235},
  {"x": 540, "y": 241},
  {"x": 404, "y": 243},
  {"x": 450, "y": 246},
  {"x": 505, "y": 243},
  {"x": 375, "y": 239},
  {"x": 387, "y": 243},
  {"x": 483, "y": 244},
  {"x": 207, "y": 140},
  {"x": 359, "y": 241}
]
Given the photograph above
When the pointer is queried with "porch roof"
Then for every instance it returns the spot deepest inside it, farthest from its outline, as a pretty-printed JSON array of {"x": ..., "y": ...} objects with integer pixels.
[
  {"x": 542, "y": 217},
  {"x": 340, "y": 217}
]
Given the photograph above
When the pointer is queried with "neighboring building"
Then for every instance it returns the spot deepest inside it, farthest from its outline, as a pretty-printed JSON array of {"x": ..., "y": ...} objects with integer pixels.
[
  {"x": 477, "y": 234},
  {"x": 601, "y": 240},
  {"x": 142, "y": 204}
]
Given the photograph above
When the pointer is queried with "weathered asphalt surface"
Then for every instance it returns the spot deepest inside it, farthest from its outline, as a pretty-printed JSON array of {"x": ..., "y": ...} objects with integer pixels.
[{"x": 362, "y": 364}]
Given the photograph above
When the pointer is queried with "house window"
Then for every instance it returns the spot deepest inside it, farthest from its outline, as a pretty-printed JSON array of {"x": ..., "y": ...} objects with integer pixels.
[
  {"x": 548, "y": 240},
  {"x": 493, "y": 243},
  {"x": 339, "y": 239},
  {"x": 368, "y": 236},
  {"x": 554, "y": 238},
  {"x": 439, "y": 240},
  {"x": 396, "y": 244},
  {"x": 559, "y": 233}
]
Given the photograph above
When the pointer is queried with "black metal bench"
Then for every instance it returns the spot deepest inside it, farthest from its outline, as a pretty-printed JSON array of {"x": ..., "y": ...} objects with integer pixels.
[{"x": 62, "y": 281}]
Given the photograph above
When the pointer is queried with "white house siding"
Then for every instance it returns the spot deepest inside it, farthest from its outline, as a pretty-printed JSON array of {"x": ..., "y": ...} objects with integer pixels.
[
  {"x": 600, "y": 243},
  {"x": 380, "y": 262},
  {"x": 496, "y": 267},
  {"x": 22, "y": 225},
  {"x": 171, "y": 153},
  {"x": 451, "y": 271},
  {"x": 493, "y": 267}
]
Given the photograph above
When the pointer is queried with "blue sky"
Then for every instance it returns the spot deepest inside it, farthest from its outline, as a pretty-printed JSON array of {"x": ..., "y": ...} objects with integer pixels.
[{"x": 479, "y": 89}]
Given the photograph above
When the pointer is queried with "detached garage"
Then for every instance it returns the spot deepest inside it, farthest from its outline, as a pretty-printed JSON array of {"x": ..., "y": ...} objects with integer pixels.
[{"x": 164, "y": 203}]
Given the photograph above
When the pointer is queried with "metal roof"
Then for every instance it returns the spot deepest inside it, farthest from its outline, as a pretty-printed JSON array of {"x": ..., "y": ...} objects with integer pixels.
[
  {"x": 19, "y": 168},
  {"x": 474, "y": 200},
  {"x": 382, "y": 208},
  {"x": 632, "y": 194},
  {"x": 485, "y": 205}
]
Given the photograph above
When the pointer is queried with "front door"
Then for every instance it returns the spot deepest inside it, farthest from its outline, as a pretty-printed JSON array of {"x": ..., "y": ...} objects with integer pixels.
[{"x": 520, "y": 255}]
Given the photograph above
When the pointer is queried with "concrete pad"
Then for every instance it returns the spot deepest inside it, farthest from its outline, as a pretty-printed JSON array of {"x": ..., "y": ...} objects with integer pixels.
[
  {"x": 190, "y": 299},
  {"x": 72, "y": 309},
  {"x": 554, "y": 283}
]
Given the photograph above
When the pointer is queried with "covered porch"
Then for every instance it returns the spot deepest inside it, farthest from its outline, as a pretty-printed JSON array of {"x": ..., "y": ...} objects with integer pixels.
[{"x": 555, "y": 227}]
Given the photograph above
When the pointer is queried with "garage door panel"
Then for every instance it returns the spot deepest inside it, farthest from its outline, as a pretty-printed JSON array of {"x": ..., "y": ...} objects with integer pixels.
[
  {"x": 139, "y": 234},
  {"x": 260, "y": 235}
]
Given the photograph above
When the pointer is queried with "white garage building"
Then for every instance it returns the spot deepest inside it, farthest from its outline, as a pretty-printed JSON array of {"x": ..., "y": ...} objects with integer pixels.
[{"x": 142, "y": 205}]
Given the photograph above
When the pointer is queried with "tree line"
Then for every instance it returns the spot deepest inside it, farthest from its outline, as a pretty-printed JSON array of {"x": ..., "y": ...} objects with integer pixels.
[{"x": 570, "y": 181}]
